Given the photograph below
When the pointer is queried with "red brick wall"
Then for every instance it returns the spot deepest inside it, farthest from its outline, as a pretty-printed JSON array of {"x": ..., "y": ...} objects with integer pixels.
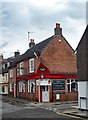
[
  {"x": 59, "y": 57},
  {"x": 73, "y": 96},
  {"x": 12, "y": 80}
]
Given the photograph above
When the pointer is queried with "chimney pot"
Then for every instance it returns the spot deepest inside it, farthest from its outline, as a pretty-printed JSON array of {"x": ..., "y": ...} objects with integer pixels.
[
  {"x": 33, "y": 40},
  {"x": 31, "y": 44},
  {"x": 57, "y": 25}
]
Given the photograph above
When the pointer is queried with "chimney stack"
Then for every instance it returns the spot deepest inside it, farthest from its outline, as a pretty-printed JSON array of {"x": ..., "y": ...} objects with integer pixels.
[
  {"x": 58, "y": 30},
  {"x": 31, "y": 44},
  {"x": 1, "y": 57},
  {"x": 16, "y": 54}
]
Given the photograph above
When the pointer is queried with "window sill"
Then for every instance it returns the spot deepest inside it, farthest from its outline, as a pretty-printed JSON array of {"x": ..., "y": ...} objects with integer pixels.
[
  {"x": 21, "y": 92},
  {"x": 11, "y": 91},
  {"x": 31, "y": 92},
  {"x": 31, "y": 72},
  {"x": 72, "y": 92}
]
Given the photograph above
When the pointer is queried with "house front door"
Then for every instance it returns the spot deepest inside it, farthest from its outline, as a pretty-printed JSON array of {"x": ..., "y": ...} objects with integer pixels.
[{"x": 45, "y": 94}]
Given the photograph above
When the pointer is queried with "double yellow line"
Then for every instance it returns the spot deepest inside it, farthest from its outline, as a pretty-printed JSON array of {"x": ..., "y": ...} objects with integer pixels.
[{"x": 67, "y": 115}]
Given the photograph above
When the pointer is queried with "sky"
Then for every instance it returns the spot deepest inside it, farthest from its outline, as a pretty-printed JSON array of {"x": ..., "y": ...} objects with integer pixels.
[{"x": 39, "y": 17}]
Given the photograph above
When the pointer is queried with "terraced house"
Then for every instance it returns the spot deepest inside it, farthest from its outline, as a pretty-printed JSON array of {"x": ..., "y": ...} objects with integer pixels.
[
  {"x": 46, "y": 71},
  {"x": 4, "y": 64}
]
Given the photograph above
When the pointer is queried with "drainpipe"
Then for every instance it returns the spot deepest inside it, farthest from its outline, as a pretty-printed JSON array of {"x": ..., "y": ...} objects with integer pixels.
[
  {"x": 16, "y": 82},
  {"x": 52, "y": 91}
]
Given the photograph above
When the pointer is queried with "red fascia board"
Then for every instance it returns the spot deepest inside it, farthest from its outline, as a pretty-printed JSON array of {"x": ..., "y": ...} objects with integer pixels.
[{"x": 47, "y": 76}]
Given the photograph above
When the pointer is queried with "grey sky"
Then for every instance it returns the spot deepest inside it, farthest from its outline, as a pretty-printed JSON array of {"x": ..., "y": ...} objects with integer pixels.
[{"x": 40, "y": 18}]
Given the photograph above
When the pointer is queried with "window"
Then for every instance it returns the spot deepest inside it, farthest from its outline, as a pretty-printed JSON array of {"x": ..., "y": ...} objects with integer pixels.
[
  {"x": 11, "y": 87},
  {"x": 3, "y": 89},
  {"x": 31, "y": 65},
  {"x": 8, "y": 64},
  {"x": 3, "y": 66},
  {"x": 11, "y": 73},
  {"x": 0, "y": 67},
  {"x": 21, "y": 68},
  {"x": 22, "y": 86},
  {"x": 72, "y": 85},
  {"x": 6, "y": 76},
  {"x": 31, "y": 86}
]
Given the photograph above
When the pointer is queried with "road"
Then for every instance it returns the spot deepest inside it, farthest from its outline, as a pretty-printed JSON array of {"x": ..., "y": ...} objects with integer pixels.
[{"x": 12, "y": 109}]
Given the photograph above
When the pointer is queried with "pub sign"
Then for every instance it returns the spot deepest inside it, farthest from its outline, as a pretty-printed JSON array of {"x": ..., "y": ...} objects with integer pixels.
[{"x": 58, "y": 84}]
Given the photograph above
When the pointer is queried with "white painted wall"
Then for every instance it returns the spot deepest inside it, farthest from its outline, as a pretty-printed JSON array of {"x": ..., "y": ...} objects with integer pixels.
[
  {"x": 82, "y": 89},
  {"x": 83, "y": 92}
]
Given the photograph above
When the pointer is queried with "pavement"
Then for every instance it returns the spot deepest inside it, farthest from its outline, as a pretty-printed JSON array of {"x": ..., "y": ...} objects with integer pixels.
[{"x": 73, "y": 111}]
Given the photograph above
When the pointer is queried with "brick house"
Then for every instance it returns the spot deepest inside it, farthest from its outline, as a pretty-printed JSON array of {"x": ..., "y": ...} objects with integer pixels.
[
  {"x": 4, "y": 64},
  {"x": 46, "y": 71}
]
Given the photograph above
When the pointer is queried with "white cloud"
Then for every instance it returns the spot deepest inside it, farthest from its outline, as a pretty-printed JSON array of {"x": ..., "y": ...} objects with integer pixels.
[
  {"x": 39, "y": 17},
  {"x": 74, "y": 30}
]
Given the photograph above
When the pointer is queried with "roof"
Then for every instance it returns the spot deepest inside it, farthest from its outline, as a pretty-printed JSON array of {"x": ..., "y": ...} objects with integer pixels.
[
  {"x": 10, "y": 59},
  {"x": 68, "y": 43},
  {"x": 30, "y": 52},
  {"x": 86, "y": 31},
  {"x": 38, "y": 48}
]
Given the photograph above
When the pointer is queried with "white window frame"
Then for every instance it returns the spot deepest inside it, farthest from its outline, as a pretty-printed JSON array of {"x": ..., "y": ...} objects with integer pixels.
[
  {"x": 21, "y": 66},
  {"x": 31, "y": 67},
  {"x": 29, "y": 86},
  {"x": 21, "y": 86},
  {"x": 11, "y": 87},
  {"x": 11, "y": 73},
  {"x": 70, "y": 83},
  {"x": 8, "y": 64},
  {"x": 3, "y": 66}
]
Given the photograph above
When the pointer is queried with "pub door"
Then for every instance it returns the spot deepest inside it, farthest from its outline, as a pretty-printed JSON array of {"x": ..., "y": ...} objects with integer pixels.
[{"x": 44, "y": 93}]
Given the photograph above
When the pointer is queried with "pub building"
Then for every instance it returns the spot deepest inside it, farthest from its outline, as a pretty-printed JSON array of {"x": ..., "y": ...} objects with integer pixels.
[{"x": 46, "y": 72}]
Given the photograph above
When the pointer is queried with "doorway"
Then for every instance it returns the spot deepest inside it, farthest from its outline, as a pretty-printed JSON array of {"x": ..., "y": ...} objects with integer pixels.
[{"x": 44, "y": 93}]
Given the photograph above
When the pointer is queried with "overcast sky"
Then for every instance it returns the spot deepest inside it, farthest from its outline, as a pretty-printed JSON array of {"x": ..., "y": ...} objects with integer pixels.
[{"x": 39, "y": 17}]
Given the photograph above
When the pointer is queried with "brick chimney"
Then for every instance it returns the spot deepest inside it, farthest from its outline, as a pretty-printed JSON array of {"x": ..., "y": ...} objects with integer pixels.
[
  {"x": 58, "y": 30},
  {"x": 31, "y": 44},
  {"x": 1, "y": 57},
  {"x": 16, "y": 54}
]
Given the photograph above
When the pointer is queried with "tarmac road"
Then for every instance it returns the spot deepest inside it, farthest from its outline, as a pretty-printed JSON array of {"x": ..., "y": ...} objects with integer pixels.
[{"x": 18, "y": 110}]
